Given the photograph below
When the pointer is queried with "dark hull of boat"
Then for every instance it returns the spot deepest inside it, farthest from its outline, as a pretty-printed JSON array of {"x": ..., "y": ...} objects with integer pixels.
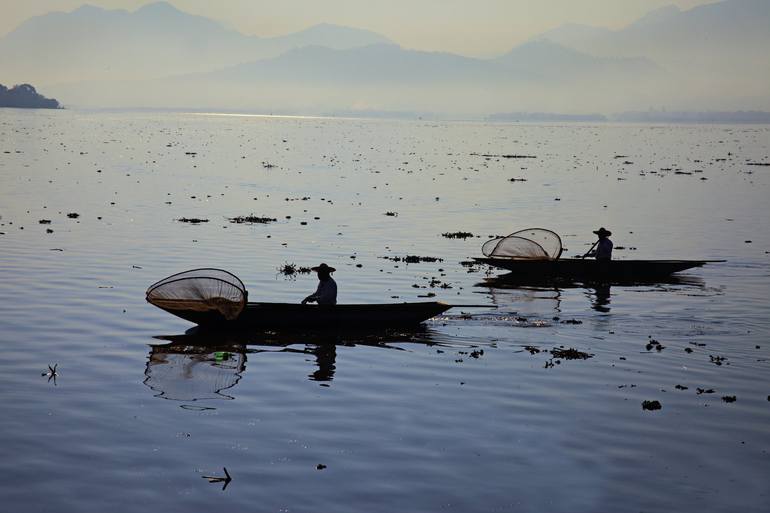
[
  {"x": 591, "y": 270},
  {"x": 313, "y": 317}
]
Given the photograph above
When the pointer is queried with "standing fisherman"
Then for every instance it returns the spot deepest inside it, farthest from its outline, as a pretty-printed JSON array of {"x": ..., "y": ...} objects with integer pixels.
[{"x": 326, "y": 293}]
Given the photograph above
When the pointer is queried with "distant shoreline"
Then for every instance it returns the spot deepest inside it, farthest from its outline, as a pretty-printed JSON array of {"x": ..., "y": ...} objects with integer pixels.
[
  {"x": 672, "y": 117},
  {"x": 631, "y": 117}
]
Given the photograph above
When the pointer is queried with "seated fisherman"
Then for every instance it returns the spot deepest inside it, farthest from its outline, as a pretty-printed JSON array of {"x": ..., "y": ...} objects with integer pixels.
[
  {"x": 326, "y": 293},
  {"x": 603, "y": 246}
]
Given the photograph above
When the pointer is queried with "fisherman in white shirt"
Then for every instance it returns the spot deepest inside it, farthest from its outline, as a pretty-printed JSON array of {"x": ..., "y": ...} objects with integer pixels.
[{"x": 326, "y": 293}]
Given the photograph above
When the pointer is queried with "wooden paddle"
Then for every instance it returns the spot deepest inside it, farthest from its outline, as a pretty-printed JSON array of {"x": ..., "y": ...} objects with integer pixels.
[{"x": 591, "y": 249}]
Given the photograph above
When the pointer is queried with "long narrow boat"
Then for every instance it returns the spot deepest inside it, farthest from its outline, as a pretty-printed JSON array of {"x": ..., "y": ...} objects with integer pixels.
[
  {"x": 592, "y": 270},
  {"x": 533, "y": 254},
  {"x": 310, "y": 317},
  {"x": 215, "y": 297}
]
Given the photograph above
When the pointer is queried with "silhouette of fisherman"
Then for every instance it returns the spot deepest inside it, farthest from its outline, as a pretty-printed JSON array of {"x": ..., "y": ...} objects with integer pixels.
[
  {"x": 325, "y": 357},
  {"x": 326, "y": 293},
  {"x": 603, "y": 251}
]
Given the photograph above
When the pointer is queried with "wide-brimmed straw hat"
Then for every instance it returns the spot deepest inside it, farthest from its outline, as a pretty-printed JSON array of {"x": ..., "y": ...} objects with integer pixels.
[
  {"x": 323, "y": 268},
  {"x": 602, "y": 232}
]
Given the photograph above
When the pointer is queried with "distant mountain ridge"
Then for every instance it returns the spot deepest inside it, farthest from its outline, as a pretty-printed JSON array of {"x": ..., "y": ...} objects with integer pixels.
[
  {"x": 726, "y": 33},
  {"x": 156, "y": 40},
  {"x": 389, "y": 63},
  {"x": 563, "y": 61},
  {"x": 716, "y": 55}
]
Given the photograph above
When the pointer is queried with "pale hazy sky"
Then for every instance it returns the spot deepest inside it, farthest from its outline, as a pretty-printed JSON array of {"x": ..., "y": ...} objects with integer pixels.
[{"x": 471, "y": 27}]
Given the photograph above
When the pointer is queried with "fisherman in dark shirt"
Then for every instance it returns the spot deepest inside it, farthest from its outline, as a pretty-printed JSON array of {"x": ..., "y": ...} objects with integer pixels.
[
  {"x": 326, "y": 293},
  {"x": 603, "y": 246}
]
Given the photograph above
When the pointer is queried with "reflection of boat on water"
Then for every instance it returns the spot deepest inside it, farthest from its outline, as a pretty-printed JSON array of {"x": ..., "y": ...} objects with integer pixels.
[
  {"x": 254, "y": 341},
  {"x": 202, "y": 364},
  {"x": 191, "y": 373},
  {"x": 598, "y": 291},
  {"x": 515, "y": 280}
]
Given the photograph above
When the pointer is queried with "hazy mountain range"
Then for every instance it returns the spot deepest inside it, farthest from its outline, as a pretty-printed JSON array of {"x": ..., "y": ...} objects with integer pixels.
[
  {"x": 708, "y": 57},
  {"x": 154, "y": 41},
  {"x": 733, "y": 35}
]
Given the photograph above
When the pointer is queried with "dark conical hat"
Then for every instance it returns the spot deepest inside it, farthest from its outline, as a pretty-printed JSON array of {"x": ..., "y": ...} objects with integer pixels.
[{"x": 323, "y": 268}]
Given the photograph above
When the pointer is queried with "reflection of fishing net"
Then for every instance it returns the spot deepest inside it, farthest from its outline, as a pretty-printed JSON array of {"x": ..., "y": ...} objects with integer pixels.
[
  {"x": 191, "y": 374},
  {"x": 529, "y": 244},
  {"x": 200, "y": 290}
]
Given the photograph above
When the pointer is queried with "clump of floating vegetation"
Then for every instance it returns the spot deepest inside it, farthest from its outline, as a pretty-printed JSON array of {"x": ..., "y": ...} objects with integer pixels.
[
  {"x": 413, "y": 259},
  {"x": 252, "y": 219},
  {"x": 457, "y": 235},
  {"x": 193, "y": 220},
  {"x": 292, "y": 269},
  {"x": 654, "y": 344},
  {"x": 504, "y": 156},
  {"x": 718, "y": 360},
  {"x": 651, "y": 405},
  {"x": 569, "y": 354}
]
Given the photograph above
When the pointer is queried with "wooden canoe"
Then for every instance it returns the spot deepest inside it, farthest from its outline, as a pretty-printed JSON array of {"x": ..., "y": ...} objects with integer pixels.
[
  {"x": 311, "y": 317},
  {"x": 593, "y": 270}
]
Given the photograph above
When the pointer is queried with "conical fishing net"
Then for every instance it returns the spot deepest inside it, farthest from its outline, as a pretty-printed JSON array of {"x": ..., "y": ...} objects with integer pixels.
[
  {"x": 191, "y": 374},
  {"x": 200, "y": 290},
  {"x": 529, "y": 244}
]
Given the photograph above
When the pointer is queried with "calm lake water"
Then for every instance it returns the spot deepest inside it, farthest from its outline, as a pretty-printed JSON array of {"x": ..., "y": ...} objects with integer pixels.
[{"x": 472, "y": 413}]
